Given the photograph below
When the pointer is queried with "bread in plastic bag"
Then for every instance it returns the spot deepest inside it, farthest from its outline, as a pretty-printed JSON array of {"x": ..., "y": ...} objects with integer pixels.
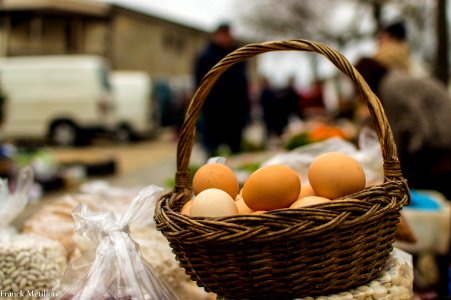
[
  {"x": 54, "y": 220},
  {"x": 117, "y": 269}
]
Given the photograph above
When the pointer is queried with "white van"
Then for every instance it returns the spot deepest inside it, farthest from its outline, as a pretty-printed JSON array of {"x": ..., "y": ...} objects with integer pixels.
[
  {"x": 135, "y": 112},
  {"x": 62, "y": 98}
]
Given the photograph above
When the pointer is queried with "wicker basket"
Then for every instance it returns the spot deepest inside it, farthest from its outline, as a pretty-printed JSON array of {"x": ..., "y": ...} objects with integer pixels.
[{"x": 286, "y": 253}]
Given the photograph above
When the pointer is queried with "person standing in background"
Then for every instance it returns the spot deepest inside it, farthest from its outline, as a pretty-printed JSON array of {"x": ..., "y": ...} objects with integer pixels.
[
  {"x": 287, "y": 106},
  {"x": 418, "y": 111},
  {"x": 226, "y": 111},
  {"x": 268, "y": 103},
  {"x": 290, "y": 101},
  {"x": 312, "y": 101},
  {"x": 393, "y": 50}
]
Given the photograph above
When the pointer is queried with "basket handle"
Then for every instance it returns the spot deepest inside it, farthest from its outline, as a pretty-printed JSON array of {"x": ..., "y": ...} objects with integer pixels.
[{"x": 392, "y": 169}]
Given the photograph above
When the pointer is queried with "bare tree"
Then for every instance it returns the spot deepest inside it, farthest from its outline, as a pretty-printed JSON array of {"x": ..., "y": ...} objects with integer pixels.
[
  {"x": 315, "y": 20},
  {"x": 344, "y": 23},
  {"x": 441, "y": 67}
]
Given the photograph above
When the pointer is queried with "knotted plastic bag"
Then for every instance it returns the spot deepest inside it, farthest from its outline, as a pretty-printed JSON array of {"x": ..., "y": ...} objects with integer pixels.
[
  {"x": 116, "y": 270},
  {"x": 12, "y": 203}
]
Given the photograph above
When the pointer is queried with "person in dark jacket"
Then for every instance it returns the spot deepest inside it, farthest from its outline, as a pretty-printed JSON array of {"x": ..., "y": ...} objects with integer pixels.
[
  {"x": 269, "y": 101},
  {"x": 289, "y": 104},
  {"x": 226, "y": 110}
]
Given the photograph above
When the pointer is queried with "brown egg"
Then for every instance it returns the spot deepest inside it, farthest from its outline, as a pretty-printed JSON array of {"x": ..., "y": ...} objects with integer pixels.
[
  {"x": 242, "y": 207},
  {"x": 306, "y": 190},
  {"x": 309, "y": 200},
  {"x": 215, "y": 175},
  {"x": 271, "y": 187},
  {"x": 335, "y": 174},
  {"x": 213, "y": 203},
  {"x": 186, "y": 208}
]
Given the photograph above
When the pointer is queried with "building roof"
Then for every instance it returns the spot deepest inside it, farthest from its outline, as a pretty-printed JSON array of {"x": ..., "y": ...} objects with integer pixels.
[
  {"x": 78, "y": 6},
  {"x": 154, "y": 12},
  {"x": 93, "y": 8}
]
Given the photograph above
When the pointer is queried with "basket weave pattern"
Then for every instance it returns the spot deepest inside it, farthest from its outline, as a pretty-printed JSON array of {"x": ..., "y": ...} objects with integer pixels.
[{"x": 286, "y": 253}]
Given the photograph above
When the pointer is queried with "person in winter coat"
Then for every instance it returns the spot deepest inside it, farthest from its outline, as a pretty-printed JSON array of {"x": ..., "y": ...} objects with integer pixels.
[
  {"x": 226, "y": 110},
  {"x": 269, "y": 104},
  {"x": 418, "y": 111},
  {"x": 393, "y": 51}
]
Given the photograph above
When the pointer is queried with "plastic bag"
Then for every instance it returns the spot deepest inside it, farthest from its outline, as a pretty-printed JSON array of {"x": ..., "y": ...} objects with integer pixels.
[
  {"x": 13, "y": 203},
  {"x": 216, "y": 159},
  {"x": 102, "y": 196},
  {"x": 116, "y": 270},
  {"x": 368, "y": 154},
  {"x": 156, "y": 250},
  {"x": 29, "y": 264}
]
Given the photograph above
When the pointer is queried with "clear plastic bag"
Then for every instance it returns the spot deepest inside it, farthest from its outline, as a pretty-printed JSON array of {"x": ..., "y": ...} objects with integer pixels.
[
  {"x": 116, "y": 270},
  {"x": 368, "y": 154},
  {"x": 12, "y": 203},
  {"x": 29, "y": 264}
]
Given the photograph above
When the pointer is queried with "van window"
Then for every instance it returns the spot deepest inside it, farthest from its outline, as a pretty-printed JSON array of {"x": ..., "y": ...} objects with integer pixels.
[{"x": 105, "y": 79}]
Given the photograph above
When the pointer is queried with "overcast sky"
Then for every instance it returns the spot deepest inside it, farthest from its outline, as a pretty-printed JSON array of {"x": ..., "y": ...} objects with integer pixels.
[{"x": 199, "y": 13}]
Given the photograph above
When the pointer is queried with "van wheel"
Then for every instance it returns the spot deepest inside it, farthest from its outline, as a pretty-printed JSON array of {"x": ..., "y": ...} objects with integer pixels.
[
  {"x": 125, "y": 134},
  {"x": 63, "y": 133}
]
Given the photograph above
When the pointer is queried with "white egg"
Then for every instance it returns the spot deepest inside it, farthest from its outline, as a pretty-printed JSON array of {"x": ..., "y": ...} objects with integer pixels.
[{"x": 213, "y": 203}]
